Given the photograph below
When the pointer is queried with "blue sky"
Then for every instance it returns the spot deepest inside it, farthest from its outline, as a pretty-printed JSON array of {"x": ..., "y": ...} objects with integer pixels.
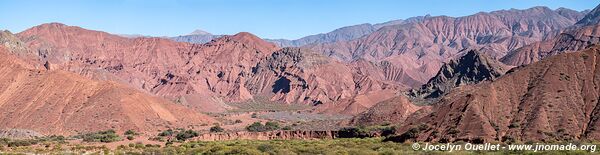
[{"x": 290, "y": 19}]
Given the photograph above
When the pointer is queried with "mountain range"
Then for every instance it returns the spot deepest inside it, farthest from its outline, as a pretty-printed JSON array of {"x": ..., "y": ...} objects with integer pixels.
[{"x": 492, "y": 76}]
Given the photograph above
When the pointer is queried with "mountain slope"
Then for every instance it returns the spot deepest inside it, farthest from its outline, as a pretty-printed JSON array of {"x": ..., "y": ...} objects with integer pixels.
[
  {"x": 420, "y": 47},
  {"x": 591, "y": 18},
  {"x": 585, "y": 33},
  {"x": 59, "y": 102},
  {"x": 299, "y": 75},
  {"x": 395, "y": 111},
  {"x": 204, "y": 76},
  {"x": 160, "y": 66},
  {"x": 553, "y": 99}
]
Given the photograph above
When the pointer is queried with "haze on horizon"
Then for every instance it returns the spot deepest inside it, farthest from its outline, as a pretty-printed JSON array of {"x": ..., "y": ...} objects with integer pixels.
[{"x": 268, "y": 19}]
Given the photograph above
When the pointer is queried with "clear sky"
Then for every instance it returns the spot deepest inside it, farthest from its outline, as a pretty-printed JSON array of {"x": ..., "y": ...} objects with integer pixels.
[{"x": 290, "y": 19}]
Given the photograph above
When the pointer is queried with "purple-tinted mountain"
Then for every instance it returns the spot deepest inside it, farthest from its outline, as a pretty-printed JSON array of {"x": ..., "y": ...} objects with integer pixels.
[
  {"x": 341, "y": 34},
  {"x": 197, "y": 37},
  {"x": 419, "y": 48},
  {"x": 583, "y": 34}
]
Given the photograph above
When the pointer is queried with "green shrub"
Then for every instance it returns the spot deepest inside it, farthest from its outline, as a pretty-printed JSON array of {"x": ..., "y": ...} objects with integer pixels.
[
  {"x": 272, "y": 126},
  {"x": 286, "y": 128},
  {"x": 130, "y": 137},
  {"x": 131, "y": 133},
  {"x": 101, "y": 136},
  {"x": 216, "y": 128},
  {"x": 24, "y": 142},
  {"x": 353, "y": 132},
  {"x": 186, "y": 135},
  {"x": 258, "y": 127},
  {"x": 166, "y": 133}
]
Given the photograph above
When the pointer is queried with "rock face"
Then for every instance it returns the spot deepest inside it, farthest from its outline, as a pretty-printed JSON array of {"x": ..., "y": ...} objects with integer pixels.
[
  {"x": 270, "y": 135},
  {"x": 419, "y": 48},
  {"x": 395, "y": 110},
  {"x": 553, "y": 99},
  {"x": 59, "y": 102},
  {"x": 298, "y": 75},
  {"x": 471, "y": 68},
  {"x": 19, "y": 134},
  {"x": 580, "y": 36}
]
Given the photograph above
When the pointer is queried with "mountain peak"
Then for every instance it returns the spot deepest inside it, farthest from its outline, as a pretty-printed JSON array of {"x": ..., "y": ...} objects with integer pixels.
[
  {"x": 593, "y": 17},
  {"x": 200, "y": 32},
  {"x": 52, "y": 25},
  {"x": 246, "y": 37}
]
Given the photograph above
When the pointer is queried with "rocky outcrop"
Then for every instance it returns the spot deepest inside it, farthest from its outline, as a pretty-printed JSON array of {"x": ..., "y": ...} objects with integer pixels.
[
  {"x": 419, "y": 48},
  {"x": 554, "y": 99},
  {"x": 471, "y": 68},
  {"x": 19, "y": 134},
  {"x": 270, "y": 135}
]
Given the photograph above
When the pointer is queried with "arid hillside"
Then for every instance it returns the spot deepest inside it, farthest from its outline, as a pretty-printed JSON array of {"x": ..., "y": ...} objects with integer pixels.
[
  {"x": 578, "y": 37},
  {"x": 206, "y": 76},
  {"x": 59, "y": 102},
  {"x": 553, "y": 99}
]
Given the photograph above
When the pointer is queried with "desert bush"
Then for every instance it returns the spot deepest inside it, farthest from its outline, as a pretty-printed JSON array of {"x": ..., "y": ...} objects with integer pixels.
[
  {"x": 272, "y": 126},
  {"x": 216, "y": 128},
  {"x": 106, "y": 136},
  {"x": 131, "y": 132},
  {"x": 187, "y": 134},
  {"x": 166, "y": 133},
  {"x": 238, "y": 121},
  {"x": 258, "y": 127},
  {"x": 21, "y": 142},
  {"x": 353, "y": 132}
]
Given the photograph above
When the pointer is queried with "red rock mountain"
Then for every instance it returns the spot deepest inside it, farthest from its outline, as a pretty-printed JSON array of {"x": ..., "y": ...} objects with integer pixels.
[
  {"x": 553, "y": 99},
  {"x": 580, "y": 36},
  {"x": 300, "y": 75},
  {"x": 419, "y": 48},
  {"x": 60, "y": 102},
  {"x": 157, "y": 65},
  {"x": 204, "y": 76}
]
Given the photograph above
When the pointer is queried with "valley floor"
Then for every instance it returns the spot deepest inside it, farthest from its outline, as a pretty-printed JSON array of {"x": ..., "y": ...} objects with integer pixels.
[{"x": 284, "y": 147}]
